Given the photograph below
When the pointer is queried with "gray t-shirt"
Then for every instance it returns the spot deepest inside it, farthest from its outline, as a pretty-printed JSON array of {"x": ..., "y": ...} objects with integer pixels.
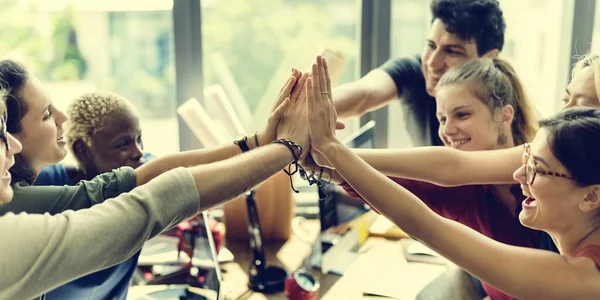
[{"x": 418, "y": 106}]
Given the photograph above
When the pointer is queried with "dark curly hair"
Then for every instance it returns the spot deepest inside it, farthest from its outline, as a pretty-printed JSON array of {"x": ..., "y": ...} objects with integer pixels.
[{"x": 481, "y": 20}]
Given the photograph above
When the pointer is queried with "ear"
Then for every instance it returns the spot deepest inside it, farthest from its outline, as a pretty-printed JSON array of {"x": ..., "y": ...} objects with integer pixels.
[
  {"x": 82, "y": 151},
  {"x": 508, "y": 114},
  {"x": 591, "y": 200},
  {"x": 491, "y": 54}
]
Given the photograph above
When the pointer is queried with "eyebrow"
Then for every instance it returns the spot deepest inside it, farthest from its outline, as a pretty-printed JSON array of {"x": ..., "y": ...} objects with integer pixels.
[
  {"x": 539, "y": 159},
  {"x": 459, "y": 46},
  {"x": 455, "y": 47},
  {"x": 461, "y": 107},
  {"x": 457, "y": 108},
  {"x": 125, "y": 135},
  {"x": 579, "y": 95}
]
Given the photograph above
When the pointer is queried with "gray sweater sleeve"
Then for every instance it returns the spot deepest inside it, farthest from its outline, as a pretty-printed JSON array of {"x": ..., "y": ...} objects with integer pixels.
[
  {"x": 56, "y": 199},
  {"x": 41, "y": 252}
]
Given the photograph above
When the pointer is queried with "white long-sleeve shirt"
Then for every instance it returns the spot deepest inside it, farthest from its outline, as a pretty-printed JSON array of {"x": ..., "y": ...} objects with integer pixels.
[{"x": 41, "y": 252}]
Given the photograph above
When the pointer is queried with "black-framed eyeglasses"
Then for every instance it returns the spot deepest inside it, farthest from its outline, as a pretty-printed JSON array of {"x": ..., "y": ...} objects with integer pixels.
[{"x": 532, "y": 168}]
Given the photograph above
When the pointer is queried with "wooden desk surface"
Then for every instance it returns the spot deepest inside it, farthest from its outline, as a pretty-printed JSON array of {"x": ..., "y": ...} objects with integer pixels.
[{"x": 291, "y": 254}]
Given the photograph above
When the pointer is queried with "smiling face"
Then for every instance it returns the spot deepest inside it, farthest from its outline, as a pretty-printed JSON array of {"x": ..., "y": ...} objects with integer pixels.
[
  {"x": 581, "y": 91},
  {"x": 118, "y": 144},
  {"x": 9, "y": 146},
  {"x": 442, "y": 52},
  {"x": 41, "y": 127},
  {"x": 466, "y": 123},
  {"x": 552, "y": 202}
]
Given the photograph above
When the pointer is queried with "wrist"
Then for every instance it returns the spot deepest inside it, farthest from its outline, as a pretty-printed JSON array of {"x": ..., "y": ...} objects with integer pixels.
[
  {"x": 263, "y": 138},
  {"x": 254, "y": 141},
  {"x": 329, "y": 149},
  {"x": 295, "y": 149}
]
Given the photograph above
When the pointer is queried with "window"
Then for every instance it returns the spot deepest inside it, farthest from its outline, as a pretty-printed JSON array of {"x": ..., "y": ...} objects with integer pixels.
[
  {"x": 249, "y": 48},
  {"x": 120, "y": 46},
  {"x": 410, "y": 26},
  {"x": 534, "y": 46},
  {"x": 596, "y": 35}
]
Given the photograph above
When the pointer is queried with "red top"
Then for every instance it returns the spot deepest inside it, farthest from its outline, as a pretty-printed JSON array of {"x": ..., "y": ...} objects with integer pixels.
[
  {"x": 591, "y": 252},
  {"x": 475, "y": 206}
]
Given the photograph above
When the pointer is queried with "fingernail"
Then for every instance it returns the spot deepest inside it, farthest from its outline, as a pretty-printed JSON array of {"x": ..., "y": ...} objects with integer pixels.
[{"x": 293, "y": 69}]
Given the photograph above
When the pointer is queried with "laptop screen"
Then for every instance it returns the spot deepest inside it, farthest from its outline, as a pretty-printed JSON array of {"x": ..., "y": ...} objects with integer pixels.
[{"x": 160, "y": 256}]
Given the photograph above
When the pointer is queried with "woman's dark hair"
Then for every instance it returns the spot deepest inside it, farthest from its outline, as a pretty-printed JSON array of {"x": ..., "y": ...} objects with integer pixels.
[
  {"x": 574, "y": 139},
  {"x": 481, "y": 20},
  {"x": 13, "y": 77}
]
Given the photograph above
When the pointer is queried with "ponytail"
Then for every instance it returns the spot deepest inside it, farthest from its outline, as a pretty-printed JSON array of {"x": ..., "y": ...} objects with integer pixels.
[{"x": 525, "y": 123}]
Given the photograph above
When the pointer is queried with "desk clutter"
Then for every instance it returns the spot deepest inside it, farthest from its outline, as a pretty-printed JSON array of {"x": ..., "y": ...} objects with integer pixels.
[{"x": 329, "y": 261}]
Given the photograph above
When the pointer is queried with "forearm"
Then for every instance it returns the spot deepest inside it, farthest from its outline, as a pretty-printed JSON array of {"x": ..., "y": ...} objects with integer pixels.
[
  {"x": 190, "y": 158},
  {"x": 445, "y": 166},
  {"x": 224, "y": 180},
  {"x": 350, "y": 100},
  {"x": 431, "y": 164},
  {"x": 406, "y": 210},
  {"x": 462, "y": 245},
  {"x": 46, "y": 251},
  {"x": 369, "y": 93}
]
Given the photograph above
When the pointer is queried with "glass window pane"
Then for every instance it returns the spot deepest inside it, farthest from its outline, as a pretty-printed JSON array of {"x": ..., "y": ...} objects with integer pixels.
[
  {"x": 410, "y": 27},
  {"x": 119, "y": 46},
  {"x": 533, "y": 45},
  {"x": 250, "y": 47},
  {"x": 596, "y": 35}
]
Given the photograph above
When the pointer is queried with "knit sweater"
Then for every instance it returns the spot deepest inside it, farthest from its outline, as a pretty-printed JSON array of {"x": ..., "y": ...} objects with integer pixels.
[{"x": 41, "y": 252}]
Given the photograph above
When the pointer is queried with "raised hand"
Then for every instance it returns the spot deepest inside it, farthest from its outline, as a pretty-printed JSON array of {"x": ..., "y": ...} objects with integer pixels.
[
  {"x": 291, "y": 89},
  {"x": 321, "y": 116},
  {"x": 291, "y": 126}
]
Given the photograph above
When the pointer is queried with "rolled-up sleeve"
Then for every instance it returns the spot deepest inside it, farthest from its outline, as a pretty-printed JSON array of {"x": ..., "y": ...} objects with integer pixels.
[{"x": 56, "y": 199}]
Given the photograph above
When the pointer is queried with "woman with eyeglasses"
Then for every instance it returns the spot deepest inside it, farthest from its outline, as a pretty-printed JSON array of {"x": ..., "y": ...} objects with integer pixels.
[
  {"x": 481, "y": 105},
  {"x": 559, "y": 179},
  {"x": 448, "y": 167}
]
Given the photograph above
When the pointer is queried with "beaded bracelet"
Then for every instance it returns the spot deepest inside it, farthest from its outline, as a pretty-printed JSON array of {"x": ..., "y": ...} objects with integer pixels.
[{"x": 293, "y": 148}]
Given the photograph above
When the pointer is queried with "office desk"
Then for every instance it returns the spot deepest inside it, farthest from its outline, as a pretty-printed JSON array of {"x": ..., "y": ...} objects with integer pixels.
[
  {"x": 381, "y": 257},
  {"x": 381, "y": 266}
]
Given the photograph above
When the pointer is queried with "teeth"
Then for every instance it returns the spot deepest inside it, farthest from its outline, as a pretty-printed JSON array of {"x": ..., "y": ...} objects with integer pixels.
[{"x": 459, "y": 142}]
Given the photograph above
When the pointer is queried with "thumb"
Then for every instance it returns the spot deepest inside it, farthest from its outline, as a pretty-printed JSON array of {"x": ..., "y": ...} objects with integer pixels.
[{"x": 278, "y": 112}]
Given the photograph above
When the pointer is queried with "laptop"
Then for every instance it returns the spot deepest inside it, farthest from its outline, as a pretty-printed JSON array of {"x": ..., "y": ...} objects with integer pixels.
[{"x": 161, "y": 253}]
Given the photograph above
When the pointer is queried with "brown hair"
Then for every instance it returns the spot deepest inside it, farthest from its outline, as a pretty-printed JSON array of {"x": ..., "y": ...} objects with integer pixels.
[
  {"x": 496, "y": 83},
  {"x": 13, "y": 77}
]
